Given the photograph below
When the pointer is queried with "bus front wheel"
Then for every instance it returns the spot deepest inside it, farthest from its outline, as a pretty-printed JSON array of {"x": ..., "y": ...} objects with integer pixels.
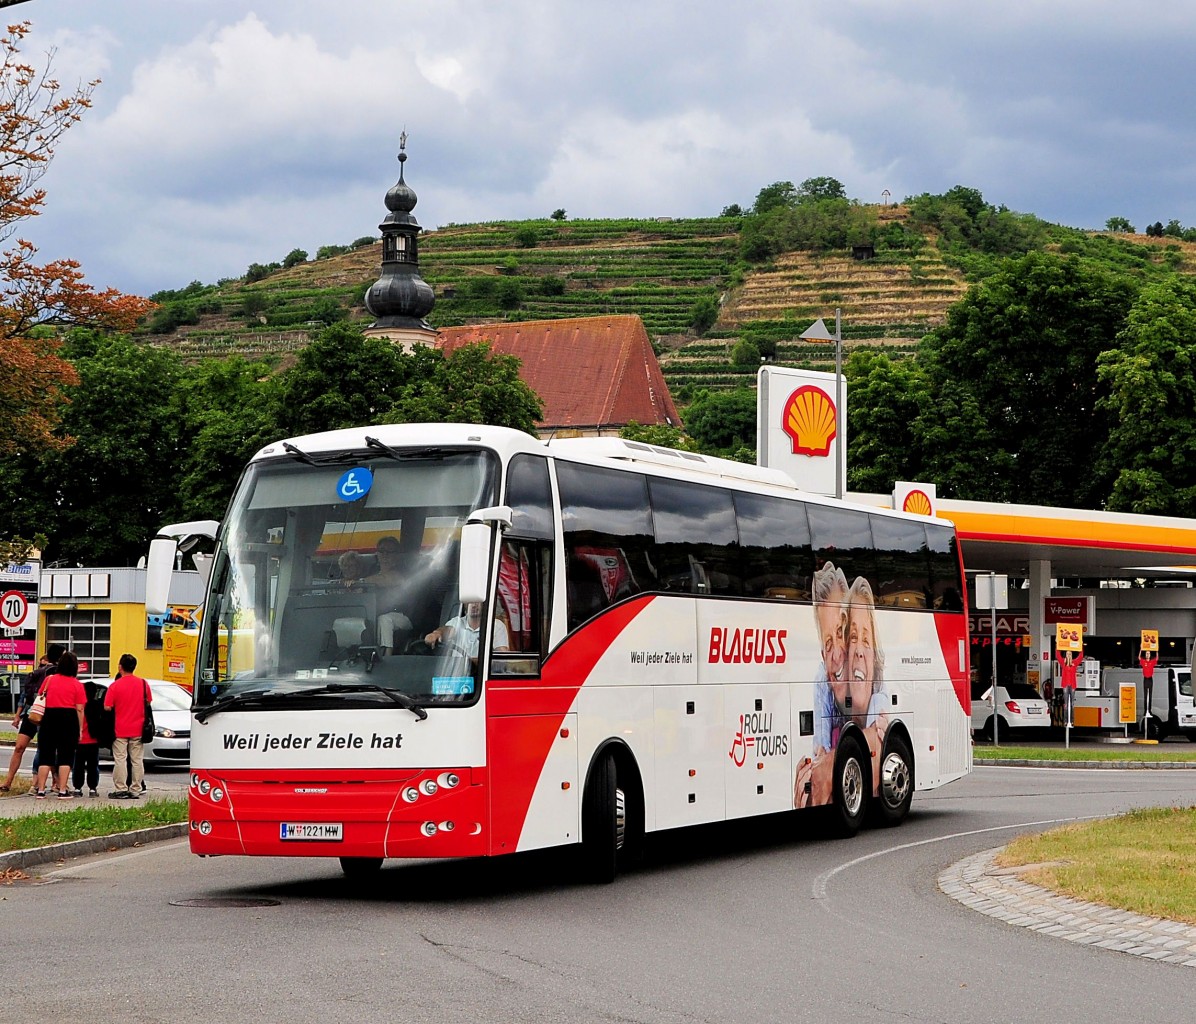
[
  {"x": 603, "y": 822},
  {"x": 852, "y": 776}
]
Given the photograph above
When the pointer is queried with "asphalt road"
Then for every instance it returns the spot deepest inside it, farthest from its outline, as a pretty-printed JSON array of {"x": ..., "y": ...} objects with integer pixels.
[{"x": 744, "y": 923}]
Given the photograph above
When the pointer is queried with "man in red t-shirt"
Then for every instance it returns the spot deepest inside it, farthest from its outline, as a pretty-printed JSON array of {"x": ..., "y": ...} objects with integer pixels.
[{"x": 127, "y": 697}]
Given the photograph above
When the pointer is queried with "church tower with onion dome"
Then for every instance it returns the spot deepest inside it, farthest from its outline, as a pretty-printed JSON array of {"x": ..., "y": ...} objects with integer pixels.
[{"x": 400, "y": 299}]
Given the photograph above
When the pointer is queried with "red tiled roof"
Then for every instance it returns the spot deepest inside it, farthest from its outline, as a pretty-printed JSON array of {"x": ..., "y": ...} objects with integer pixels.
[{"x": 590, "y": 372}]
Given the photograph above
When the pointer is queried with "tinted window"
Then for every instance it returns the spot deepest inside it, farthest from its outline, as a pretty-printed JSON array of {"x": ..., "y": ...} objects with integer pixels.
[
  {"x": 943, "y": 548},
  {"x": 902, "y": 563},
  {"x": 842, "y": 536},
  {"x": 530, "y": 497},
  {"x": 774, "y": 538},
  {"x": 607, "y": 533},
  {"x": 1021, "y": 691},
  {"x": 695, "y": 538}
]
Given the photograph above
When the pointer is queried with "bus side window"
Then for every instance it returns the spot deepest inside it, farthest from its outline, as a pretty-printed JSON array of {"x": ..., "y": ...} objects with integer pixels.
[{"x": 608, "y": 537}]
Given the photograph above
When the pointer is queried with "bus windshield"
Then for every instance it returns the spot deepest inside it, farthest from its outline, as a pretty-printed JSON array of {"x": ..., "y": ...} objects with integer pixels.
[{"x": 332, "y": 572}]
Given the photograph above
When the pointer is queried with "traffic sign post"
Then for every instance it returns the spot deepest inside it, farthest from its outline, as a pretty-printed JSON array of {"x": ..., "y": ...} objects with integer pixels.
[
  {"x": 992, "y": 592},
  {"x": 19, "y": 586}
]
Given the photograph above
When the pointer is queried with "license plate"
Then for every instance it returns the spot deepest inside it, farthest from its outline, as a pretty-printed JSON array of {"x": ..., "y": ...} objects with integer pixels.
[
  {"x": 317, "y": 831},
  {"x": 1033, "y": 711}
]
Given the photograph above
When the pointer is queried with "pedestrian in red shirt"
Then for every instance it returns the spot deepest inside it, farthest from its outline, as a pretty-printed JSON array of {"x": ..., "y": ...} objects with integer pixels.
[
  {"x": 127, "y": 697},
  {"x": 58, "y": 734}
]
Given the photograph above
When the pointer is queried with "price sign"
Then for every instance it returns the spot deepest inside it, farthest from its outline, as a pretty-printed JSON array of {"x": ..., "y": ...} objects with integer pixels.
[
  {"x": 14, "y": 608},
  {"x": 1150, "y": 639}
]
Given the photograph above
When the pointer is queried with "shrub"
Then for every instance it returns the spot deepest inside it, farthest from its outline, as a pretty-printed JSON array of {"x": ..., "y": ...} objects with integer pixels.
[
  {"x": 745, "y": 354},
  {"x": 703, "y": 315},
  {"x": 294, "y": 258},
  {"x": 527, "y": 237}
]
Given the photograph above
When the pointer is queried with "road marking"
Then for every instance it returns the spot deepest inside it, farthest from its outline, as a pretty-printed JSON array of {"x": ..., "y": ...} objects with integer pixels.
[{"x": 819, "y": 885}]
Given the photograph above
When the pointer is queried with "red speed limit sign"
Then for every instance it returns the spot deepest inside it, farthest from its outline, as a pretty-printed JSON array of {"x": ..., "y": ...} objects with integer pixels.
[{"x": 14, "y": 606}]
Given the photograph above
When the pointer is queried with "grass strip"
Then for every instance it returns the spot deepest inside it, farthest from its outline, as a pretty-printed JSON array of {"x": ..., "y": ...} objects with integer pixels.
[
  {"x": 1128, "y": 752},
  {"x": 1141, "y": 861},
  {"x": 74, "y": 822}
]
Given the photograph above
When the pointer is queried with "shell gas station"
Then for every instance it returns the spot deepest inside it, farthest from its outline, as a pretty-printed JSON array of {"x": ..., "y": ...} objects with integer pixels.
[{"x": 1113, "y": 577}]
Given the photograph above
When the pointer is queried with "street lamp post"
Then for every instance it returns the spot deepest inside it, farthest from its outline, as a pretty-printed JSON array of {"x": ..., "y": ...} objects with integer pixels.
[{"x": 817, "y": 332}]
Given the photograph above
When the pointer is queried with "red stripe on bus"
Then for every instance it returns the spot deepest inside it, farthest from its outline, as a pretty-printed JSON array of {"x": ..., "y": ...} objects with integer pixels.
[{"x": 520, "y": 733}]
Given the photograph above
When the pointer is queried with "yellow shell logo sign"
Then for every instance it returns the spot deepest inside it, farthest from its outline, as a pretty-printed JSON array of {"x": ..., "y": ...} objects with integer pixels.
[
  {"x": 810, "y": 421},
  {"x": 917, "y": 502}
]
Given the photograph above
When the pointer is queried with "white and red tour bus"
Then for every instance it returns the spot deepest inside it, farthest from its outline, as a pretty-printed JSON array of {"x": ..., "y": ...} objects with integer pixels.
[{"x": 448, "y": 640}]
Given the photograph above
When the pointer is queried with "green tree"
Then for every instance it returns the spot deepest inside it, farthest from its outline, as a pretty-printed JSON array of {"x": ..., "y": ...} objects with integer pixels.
[
  {"x": 1150, "y": 399},
  {"x": 101, "y": 499},
  {"x": 887, "y": 398},
  {"x": 225, "y": 411},
  {"x": 526, "y": 236},
  {"x": 1013, "y": 372},
  {"x": 341, "y": 379},
  {"x": 256, "y": 272},
  {"x": 558, "y": 214},
  {"x": 1120, "y": 224},
  {"x": 815, "y": 189},
  {"x": 723, "y": 422},
  {"x": 472, "y": 385},
  {"x": 774, "y": 196},
  {"x": 733, "y": 210},
  {"x": 703, "y": 315},
  {"x": 660, "y": 434},
  {"x": 745, "y": 353},
  {"x": 294, "y": 258}
]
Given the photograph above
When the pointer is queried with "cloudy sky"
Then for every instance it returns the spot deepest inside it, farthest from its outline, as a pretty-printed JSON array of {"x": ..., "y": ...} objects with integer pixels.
[{"x": 226, "y": 133}]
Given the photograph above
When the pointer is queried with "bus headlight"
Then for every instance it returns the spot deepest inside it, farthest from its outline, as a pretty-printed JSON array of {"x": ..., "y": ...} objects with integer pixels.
[
  {"x": 205, "y": 828},
  {"x": 429, "y": 787},
  {"x": 204, "y": 787},
  {"x": 411, "y": 794},
  {"x": 429, "y": 828},
  {"x": 448, "y": 780}
]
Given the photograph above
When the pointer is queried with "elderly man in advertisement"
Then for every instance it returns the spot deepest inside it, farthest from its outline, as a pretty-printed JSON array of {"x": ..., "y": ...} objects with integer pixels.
[{"x": 814, "y": 779}]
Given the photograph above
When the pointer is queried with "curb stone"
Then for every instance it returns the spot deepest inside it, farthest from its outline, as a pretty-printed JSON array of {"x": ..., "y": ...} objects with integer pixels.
[
  {"x": 977, "y": 883},
  {"x": 96, "y": 844}
]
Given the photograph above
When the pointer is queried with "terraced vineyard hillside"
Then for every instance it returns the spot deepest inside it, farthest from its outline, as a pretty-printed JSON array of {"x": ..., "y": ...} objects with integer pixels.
[{"x": 661, "y": 270}]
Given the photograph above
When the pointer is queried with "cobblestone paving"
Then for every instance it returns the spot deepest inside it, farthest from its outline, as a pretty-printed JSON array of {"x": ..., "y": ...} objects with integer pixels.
[{"x": 979, "y": 884}]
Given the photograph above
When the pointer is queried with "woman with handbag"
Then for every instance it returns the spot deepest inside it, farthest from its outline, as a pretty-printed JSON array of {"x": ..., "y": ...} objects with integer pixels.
[
  {"x": 24, "y": 728},
  {"x": 61, "y": 725}
]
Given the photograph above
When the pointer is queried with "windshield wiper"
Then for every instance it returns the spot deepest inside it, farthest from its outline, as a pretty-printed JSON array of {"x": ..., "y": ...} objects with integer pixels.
[
  {"x": 400, "y": 698},
  {"x": 406, "y": 456},
  {"x": 236, "y": 700},
  {"x": 299, "y": 453}
]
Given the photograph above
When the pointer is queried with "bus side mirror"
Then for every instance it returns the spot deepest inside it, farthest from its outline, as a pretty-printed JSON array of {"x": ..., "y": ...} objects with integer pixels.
[
  {"x": 158, "y": 568},
  {"x": 473, "y": 574}
]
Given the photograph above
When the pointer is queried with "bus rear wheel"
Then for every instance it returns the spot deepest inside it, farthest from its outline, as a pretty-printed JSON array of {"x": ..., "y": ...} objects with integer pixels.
[
  {"x": 360, "y": 867},
  {"x": 853, "y": 774},
  {"x": 896, "y": 793},
  {"x": 603, "y": 822}
]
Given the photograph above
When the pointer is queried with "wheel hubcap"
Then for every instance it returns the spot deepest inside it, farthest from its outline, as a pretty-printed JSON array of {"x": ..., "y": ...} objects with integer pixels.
[
  {"x": 853, "y": 787},
  {"x": 620, "y": 818},
  {"x": 894, "y": 780}
]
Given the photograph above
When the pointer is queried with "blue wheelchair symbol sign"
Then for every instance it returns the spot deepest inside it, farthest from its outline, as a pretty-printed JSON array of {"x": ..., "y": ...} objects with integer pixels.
[{"x": 354, "y": 484}]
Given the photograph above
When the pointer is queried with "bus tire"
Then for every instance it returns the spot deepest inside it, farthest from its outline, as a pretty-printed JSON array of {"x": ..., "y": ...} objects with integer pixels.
[
  {"x": 360, "y": 867},
  {"x": 603, "y": 822},
  {"x": 896, "y": 791},
  {"x": 853, "y": 777}
]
